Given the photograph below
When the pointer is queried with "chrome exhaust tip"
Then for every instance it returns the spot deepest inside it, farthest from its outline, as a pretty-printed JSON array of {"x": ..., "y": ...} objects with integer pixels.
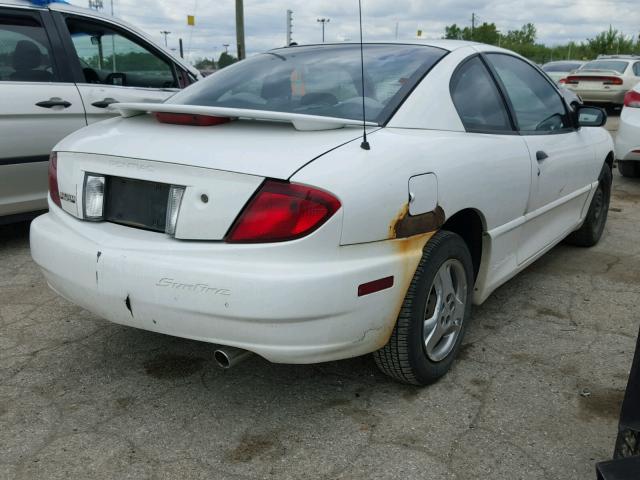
[{"x": 227, "y": 357}]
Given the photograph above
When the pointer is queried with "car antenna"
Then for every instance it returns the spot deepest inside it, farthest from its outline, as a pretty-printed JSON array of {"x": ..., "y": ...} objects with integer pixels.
[{"x": 364, "y": 145}]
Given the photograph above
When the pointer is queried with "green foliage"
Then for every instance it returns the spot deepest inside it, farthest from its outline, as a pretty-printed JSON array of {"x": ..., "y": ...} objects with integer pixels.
[
  {"x": 225, "y": 60},
  {"x": 453, "y": 32},
  {"x": 523, "y": 41},
  {"x": 611, "y": 41},
  {"x": 205, "y": 64},
  {"x": 485, "y": 33}
]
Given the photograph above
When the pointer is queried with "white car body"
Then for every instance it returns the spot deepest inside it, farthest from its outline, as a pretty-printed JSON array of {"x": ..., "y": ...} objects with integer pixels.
[
  {"x": 628, "y": 137},
  {"x": 560, "y": 69},
  {"x": 605, "y": 80},
  {"x": 28, "y": 131},
  {"x": 297, "y": 301}
]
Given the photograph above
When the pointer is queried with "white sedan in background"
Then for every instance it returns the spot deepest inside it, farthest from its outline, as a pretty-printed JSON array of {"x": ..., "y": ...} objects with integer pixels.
[
  {"x": 605, "y": 80},
  {"x": 248, "y": 211},
  {"x": 628, "y": 138},
  {"x": 560, "y": 69}
]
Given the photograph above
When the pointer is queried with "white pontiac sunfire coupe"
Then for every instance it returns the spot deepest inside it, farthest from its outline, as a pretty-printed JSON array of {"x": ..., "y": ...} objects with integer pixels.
[{"x": 246, "y": 210}]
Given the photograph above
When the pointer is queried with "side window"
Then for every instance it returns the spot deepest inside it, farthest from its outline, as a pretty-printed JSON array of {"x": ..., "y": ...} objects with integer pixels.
[
  {"x": 636, "y": 69},
  {"x": 25, "y": 52},
  {"x": 477, "y": 99},
  {"x": 110, "y": 58},
  {"x": 537, "y": 105}
]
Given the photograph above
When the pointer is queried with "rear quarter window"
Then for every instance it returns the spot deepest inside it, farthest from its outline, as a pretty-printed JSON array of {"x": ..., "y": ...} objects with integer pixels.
[{"x": 477, "y": 99}]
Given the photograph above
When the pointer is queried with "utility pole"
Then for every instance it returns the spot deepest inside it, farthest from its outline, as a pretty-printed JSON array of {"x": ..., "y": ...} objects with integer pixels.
[
  {"x": 473, "y": 24},
  {"x": 165, "y": 33},
  {"x": 323, "y": 21},
  {"x": 289, "y": 26},
  {"x": 240, "y": 29},
  {"x": 226, "y": 47}
]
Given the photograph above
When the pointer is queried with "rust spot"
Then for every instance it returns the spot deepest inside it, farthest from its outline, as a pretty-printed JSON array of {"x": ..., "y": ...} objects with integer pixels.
[
  {"x": 410, "y": 252},
  {"x": 408, "y": 234},
  {"x": 405, "y": 225}
]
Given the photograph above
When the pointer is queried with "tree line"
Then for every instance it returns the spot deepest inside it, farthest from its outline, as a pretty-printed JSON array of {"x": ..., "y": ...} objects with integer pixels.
[
  {"x": 524, "y": 41},
  {"x": 224, "y": 60}
]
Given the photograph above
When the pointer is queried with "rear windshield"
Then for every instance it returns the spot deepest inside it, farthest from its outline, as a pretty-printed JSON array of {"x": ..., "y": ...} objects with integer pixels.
[
  {"x": 318, "y": 80},
  {"x": 561, "y": 67},
  {"x": 618, "y": 66}
]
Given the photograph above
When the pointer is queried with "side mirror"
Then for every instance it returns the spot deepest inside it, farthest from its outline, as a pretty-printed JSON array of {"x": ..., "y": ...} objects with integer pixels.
[
  {"x": 591, "y": 116},
  {"x": 116, "y": 78}
]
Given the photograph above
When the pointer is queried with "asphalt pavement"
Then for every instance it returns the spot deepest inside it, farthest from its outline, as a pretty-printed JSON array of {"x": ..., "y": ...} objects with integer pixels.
[{"x": 535, "y": 394}]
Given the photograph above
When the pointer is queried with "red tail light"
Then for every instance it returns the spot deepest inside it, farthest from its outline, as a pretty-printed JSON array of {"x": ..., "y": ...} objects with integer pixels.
[
  {"x": 574, "y": 79},
  {"x": 562, "y": 81},
  {"x": 632, "y": 99},
  {"x": 282, "y": 211},
  {"x": 53, "y": 179},
  {"x": 612, "y": 81},
  {"x": 190, "y": 119}
]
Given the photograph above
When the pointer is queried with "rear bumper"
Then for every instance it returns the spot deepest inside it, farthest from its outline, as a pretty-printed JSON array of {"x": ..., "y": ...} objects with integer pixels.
[
  {"x": 294, "y": 302},
  {"x": 628, "y": 137},
  {"x": 600, "y": 96}
]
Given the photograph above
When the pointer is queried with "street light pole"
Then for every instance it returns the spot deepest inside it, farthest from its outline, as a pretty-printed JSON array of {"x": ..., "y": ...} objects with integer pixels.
[
  {"x": 165, "y": 33},
  {"x": 323, "y": 21}
]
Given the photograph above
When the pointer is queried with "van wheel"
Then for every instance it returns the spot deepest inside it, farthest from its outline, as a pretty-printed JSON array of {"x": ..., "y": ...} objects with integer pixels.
[
  {"x": 629, "y": 168},
  {"x": 434, "y": 315},
  {"x": 591, "y": 230}
]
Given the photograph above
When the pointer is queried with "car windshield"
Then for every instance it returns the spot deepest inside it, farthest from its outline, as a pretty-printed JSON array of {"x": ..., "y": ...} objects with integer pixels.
[
  {"x": 318, "y": 80},
  {"x": 618, "y": 66},
  {"x": 561, "y": 67}
]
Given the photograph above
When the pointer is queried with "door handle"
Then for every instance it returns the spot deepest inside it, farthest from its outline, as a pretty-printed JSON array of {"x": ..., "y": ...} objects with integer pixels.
[
  {"x": 541, "y": 156},
  {"x": 104, "y": 103},
  {"x": 53, "y": 102}
]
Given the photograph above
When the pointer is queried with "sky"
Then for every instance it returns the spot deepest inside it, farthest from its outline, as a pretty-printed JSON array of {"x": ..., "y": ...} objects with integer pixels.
[{"x": 557, "y": 21}]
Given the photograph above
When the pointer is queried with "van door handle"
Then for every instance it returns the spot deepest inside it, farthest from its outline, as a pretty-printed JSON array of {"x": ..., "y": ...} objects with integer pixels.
[
  {"x": 541, "y": 156},
  {"x": 104, "y": 103},
  {"x": 53, "y": 102}
]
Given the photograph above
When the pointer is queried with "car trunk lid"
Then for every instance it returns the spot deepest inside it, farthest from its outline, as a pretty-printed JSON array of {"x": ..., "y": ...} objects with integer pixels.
[
  {"x": 262, "y": 148},
  {"x": 218, "y": 169}
]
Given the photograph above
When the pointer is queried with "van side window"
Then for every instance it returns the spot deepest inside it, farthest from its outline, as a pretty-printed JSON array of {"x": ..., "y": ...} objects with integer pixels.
[
  {"x": 110, "y": 58},
  {"x": 25, "y": 52}
]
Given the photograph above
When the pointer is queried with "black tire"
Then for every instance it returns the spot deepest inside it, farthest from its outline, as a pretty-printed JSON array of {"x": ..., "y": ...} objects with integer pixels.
[
  {"x": 591, "y": 230},
  {"x": 629, "y": 168},
  {"x": 404, "y": 357}
]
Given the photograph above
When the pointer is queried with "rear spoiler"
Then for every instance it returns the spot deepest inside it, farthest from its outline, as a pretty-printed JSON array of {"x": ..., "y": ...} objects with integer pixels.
[
  {"x": 596, "y": 70},
  {"x": 298, "y": 120}
]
